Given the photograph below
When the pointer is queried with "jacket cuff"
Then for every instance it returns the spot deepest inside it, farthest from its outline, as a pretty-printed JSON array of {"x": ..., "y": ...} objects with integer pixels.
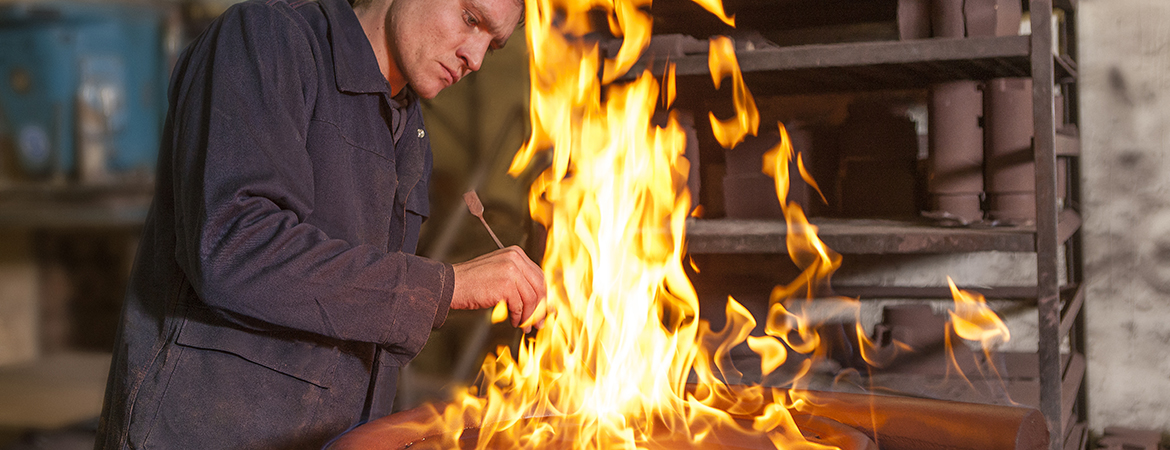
[{"x": 448, "y": 279}]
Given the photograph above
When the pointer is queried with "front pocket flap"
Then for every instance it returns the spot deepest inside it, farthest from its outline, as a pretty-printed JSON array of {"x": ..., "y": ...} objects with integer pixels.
[{"x": 296, "y": 358}]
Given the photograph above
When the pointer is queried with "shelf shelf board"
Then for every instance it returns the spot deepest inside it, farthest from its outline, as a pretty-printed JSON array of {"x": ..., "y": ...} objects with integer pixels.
[
  {"x": 857, "y": 236},
  {"x": 1022, "y": 293},
  {"x": 1025, "y": 293},
  {"x": 869, "y": 236},
  {"x": 47, "y": 206},
  {"x": 869, "y": 65}
]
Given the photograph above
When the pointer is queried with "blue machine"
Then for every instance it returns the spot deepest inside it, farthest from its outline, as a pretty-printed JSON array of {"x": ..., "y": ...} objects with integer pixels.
[{"x": 81, "y": 77}]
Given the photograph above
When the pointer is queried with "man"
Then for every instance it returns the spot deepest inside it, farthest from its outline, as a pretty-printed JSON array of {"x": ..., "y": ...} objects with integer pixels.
[{"x": 275, "y": 294}]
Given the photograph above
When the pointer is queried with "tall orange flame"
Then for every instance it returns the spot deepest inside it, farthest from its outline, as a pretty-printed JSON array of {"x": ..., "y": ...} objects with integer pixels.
[
  {"x": 611, "y": 367},
  {"x": 623, "y": 360}
]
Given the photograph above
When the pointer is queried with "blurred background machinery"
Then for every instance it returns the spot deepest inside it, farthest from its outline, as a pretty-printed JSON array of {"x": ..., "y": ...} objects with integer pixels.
[{"x": 82, "y": 90}]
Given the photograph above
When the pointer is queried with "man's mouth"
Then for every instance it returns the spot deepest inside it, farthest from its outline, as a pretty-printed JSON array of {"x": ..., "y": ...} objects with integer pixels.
[{"x": 452, "y": 76}]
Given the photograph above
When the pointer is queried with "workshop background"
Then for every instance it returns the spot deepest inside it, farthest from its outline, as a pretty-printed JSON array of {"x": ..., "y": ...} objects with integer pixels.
[{"x": 75, "y": 174}]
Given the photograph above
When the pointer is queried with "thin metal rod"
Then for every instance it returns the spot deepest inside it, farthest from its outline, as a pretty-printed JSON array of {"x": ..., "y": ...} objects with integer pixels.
[{"x": 493, "y": 233}]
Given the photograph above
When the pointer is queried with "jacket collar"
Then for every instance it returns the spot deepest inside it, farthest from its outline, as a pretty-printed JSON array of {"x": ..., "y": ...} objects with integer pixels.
[{"x": 354, "y": 65}]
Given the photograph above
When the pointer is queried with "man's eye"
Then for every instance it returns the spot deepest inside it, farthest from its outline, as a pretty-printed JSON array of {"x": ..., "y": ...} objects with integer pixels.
[{"x": 470, "y": 19}]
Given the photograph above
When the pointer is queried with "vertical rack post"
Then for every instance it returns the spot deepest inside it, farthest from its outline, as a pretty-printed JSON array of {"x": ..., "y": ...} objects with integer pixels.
[{"x": 1048, "y": 284}]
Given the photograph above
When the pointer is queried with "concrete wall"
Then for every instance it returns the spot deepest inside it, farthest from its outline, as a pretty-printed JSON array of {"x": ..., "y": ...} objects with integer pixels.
[{"x": 1125, "y": 124}]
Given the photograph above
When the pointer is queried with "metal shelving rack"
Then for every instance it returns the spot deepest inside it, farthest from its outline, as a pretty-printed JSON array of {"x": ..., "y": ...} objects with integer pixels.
[{"x": 867, "y": 66}]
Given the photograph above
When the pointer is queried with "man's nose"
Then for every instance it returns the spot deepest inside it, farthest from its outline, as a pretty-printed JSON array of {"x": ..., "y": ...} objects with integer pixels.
[{"x": 472, "y": 52}]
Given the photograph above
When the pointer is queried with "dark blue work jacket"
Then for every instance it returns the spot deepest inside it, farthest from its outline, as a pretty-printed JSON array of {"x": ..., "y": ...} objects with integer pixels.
[{"x": 275, "y": 293}]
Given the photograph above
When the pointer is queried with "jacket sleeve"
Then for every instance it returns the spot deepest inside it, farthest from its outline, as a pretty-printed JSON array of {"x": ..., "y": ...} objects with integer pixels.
[{"x": 244, "y": 185}]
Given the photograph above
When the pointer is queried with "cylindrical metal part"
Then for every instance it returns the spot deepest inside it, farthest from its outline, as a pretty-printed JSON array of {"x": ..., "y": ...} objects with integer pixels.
[
  {"x": 906, "y": 423},
  {"x": 915, "y": 325},
  {"x": 913, "y": 19},
  {"x": 946, "y": 18},
  {"x": 1010, "y": 172},
  {"x": 877, "y": 172},
  {"x": 748, "y": 193},
  {"x": 992, "y": 17},
  {"x": 955, "y": 167}
]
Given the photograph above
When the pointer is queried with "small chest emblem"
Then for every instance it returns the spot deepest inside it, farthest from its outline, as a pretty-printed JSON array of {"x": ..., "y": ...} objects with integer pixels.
[{"x": 421, "y": 133}]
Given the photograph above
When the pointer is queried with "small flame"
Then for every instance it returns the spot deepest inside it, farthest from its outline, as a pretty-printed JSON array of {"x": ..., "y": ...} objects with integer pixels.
[
  {"x": 716, "y": 8},
  {"x": 974, "y": 321},
  {"x": 500, "y": 312},
  {"x": 633, "y": 25},
  {"x": 722, "y": 62}
]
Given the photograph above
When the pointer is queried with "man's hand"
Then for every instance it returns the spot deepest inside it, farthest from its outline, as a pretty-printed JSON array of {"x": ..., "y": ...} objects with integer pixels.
[{"x": 503, "y": 275}]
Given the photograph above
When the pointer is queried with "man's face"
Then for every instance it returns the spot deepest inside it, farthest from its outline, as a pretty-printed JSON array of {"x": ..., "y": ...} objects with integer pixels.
[{"x": 434, "y": 43}]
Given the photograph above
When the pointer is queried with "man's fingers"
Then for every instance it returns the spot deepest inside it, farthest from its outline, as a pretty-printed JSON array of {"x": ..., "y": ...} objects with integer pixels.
[
  {"x": 508, "y": 275},
  {"x": 531, "y": 272},
  {"x": 530, "y": 298},
  {"x": 537, "y": 317},
  {"x": 529, "y": 286}
]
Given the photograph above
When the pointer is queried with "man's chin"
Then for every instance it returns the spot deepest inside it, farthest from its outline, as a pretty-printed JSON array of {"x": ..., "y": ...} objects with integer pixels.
[{"x": 428, "y": 91}]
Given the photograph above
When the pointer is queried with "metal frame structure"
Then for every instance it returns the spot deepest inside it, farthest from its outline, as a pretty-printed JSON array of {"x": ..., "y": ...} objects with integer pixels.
[{"x": 1054, "y": 238}]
